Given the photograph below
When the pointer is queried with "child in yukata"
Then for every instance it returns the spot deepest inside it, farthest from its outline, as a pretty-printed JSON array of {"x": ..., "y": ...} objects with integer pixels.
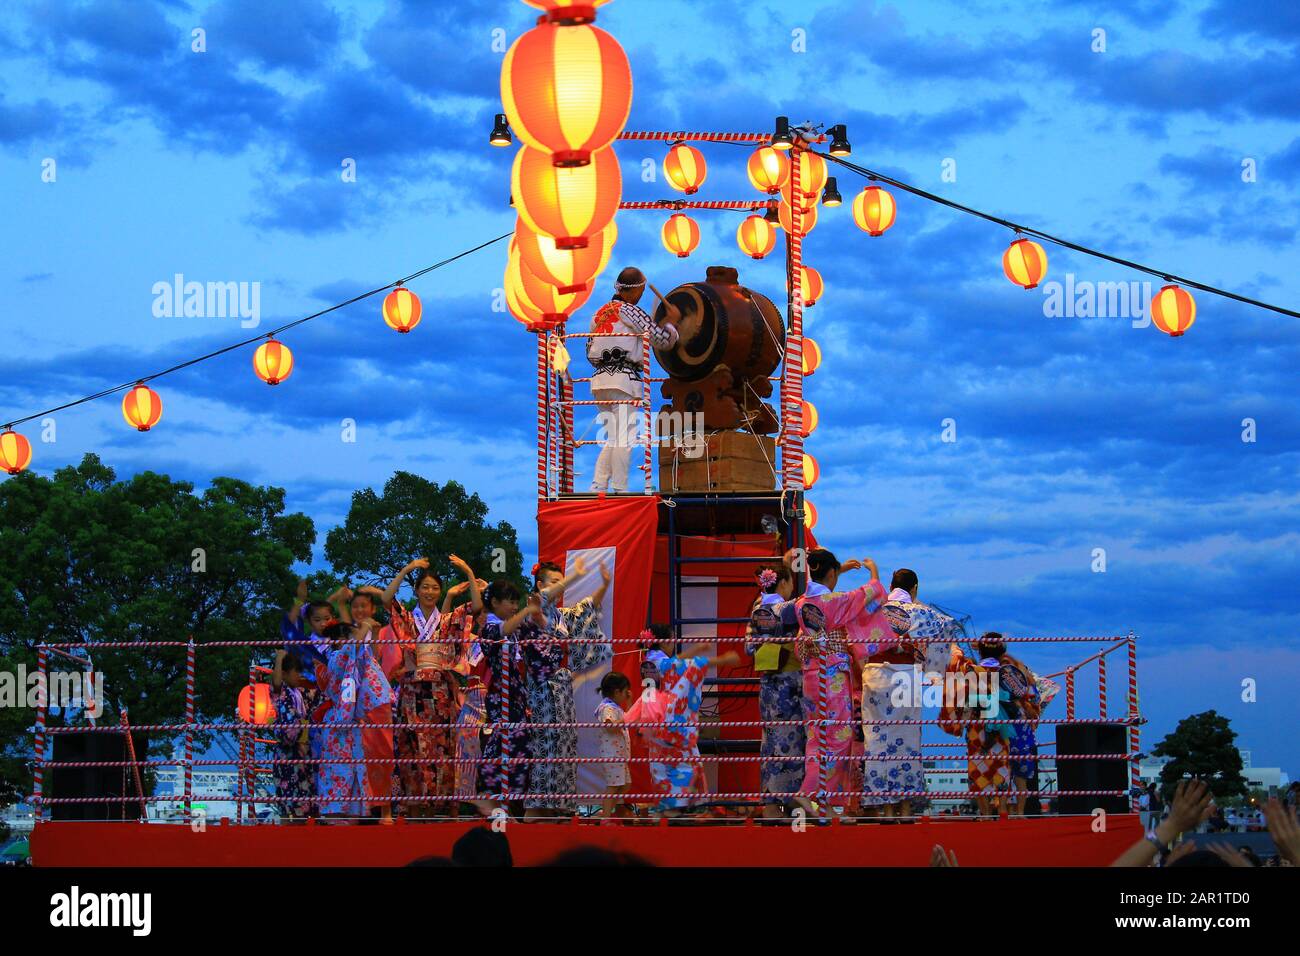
[
  {"x": 295, "y": 783},
  {"x": 614, "y": 743},
  {"x": 569, "y": 641},
  {"x": 504, "y": 772},
  {"x": 673, "y": 748},
  {"x": 353, "y": 691},
  {"x": 769, "y": 641}
]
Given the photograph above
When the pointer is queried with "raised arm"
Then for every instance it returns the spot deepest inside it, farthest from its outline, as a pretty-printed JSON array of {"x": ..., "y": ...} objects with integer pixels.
[
  {"x": 598, "y": 595},
  {"x": 579, "y": 572},
  {"x": 395, "y": 585},
  {"x": 1193, "y": 803},
  {"x": 300, "y": 598},
  {"x": 475, "y": 585},
  {"x": 533, "y": 608}
]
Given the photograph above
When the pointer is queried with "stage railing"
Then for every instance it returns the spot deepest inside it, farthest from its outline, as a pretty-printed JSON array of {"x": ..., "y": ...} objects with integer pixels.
[{"x": 251, "y": 765}]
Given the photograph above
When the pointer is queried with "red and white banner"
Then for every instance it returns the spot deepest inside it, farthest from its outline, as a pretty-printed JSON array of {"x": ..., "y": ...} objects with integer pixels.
[{"x": 619, "y": 532}]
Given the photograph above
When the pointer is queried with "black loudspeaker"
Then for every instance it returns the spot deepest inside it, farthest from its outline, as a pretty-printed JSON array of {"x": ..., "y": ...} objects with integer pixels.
[
  {"x": 1092, "y": 774},
  {"x": 90, "y": 782}
]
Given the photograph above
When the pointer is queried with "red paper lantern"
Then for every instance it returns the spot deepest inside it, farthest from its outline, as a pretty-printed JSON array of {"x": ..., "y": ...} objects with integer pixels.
[
  {"x": 812, "y": 357},
  {"x": 684, "y": 168},
  {"x": 569, "y": 270},
  {"x": 809, "y": 419},
  {"x": 567, "y": 91},
  {"x": 807, "y": 218},
  {"x": 568, "y": 204},
  {"x": 874, "y": 210},
  {"x": 15, "y": 451},
  {"x": 1025, "y": 263},
  {"x": 1173, "y": 310},
  {"x": 272, "y": 362},
  {"x": 255, "y": 704},
  {"x": 142, "y": 408},
  {"x": 811, "y": 471},
  {"x": 810, "y": 285},
  {"x": 756, "y": 237},
  {"x": 402, "y": 309},
  {"x": 681, "y": 235},
  {"x": 809, "y": 515},
  {"x": 768, "y": 169}
]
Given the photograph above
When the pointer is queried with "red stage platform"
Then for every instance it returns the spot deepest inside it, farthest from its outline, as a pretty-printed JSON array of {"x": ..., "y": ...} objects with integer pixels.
[{"x": 1040, "y": 841}]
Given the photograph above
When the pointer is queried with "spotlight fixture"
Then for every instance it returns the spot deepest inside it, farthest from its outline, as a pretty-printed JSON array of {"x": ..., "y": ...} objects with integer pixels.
[
  {"x": 501, "y": 132},
  {"x": 782, "y": 139},
  {"x": 831, "y": 194},
  {"x": 840, "y": 141}
]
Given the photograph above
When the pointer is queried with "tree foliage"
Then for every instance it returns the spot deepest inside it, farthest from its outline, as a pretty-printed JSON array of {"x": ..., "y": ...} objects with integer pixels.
[
  {"x": 85, "y": 557},
  {"x": 1202, "y": 746},
  {"x": 414, "y": 517}
]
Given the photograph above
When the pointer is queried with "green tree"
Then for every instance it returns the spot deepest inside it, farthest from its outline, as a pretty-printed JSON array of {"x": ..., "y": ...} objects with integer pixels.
[
  {"x": 1202, "y": 745},
  {"x": 415, "y": 518},
  {"x": 85, "y": 557}
]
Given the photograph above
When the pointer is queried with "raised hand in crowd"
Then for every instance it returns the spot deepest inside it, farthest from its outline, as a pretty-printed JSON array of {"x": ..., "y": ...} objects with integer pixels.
[
  {"x": 1284, "y": 828},
  {"x": 941, "y": 857},
  {"x": 1193, "y": 803}
]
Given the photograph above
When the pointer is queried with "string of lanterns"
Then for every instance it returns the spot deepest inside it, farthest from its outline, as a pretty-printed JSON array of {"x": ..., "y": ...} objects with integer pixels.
[{"x": 566, "y": 90}]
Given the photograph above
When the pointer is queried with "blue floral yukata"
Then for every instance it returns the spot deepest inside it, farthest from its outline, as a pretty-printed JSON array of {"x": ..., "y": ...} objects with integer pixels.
[{"x": 780, "y": 696}]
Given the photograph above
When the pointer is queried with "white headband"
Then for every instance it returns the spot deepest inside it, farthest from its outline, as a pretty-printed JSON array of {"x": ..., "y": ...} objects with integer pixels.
[{"x": 623, "y": 286}]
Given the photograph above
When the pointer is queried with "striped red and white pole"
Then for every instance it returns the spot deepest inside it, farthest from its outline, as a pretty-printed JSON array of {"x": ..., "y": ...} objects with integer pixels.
[
  {"x": 189, "y": 730},
  {"x": 566, "y": 415},
  {"x": 695, "y": 136},
  {"x": 42, "y": 703},
  {"x": 1134, "y": 741},
  {"x": 541, "y": 416},
  {"x": 823, "y": 693},
  {"x": 645, "y": 402},
  {"x": 791, "y": 426},
  {"x": 1069, "y": 693},
  {"x": 1101, "y": 687}
]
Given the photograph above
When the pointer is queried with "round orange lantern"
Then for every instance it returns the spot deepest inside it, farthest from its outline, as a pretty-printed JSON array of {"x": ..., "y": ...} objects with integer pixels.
[
  {"x": 809, "y": 515},
  {"x": 811, "y": 471},
  {"x": 873, "y": 210},
  {"x": 1025, "y": 263},
  {"x": 523, "y": 310},
  {"x": 756, "y": 237},
  {"x": 812, "y": 174},
  {"x": 569, "y": 204},
  {"x": 768, "y": 169},
  {"x": 567, "y": 91},
  {"x": 1173, "y": 310},
  {"x": 568, "y": 11},
  {"x": 402, "y": 309},
  {"x": 681, "y": 235},
  {"x": 684, "y": 168},
  {"x": 809, "y": 418},
  {"x": 807, "y": 218},
  {"x": 810, "y": 285},
  {"x": 812, "y": 357},
  {"x": 806, "y": 200},
  {"x": 555, "y": 306},
  {"x": 15, "y": 451},
  {"x": 255, "y": 704},
  {"x": 569, "y": 270},
  {"x": 142, "y": 408},
  {"x": 272, "y": 362}
]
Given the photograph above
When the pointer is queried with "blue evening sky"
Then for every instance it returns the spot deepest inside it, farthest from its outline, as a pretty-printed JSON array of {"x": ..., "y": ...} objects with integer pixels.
[{"x": 1073, "y": 434}]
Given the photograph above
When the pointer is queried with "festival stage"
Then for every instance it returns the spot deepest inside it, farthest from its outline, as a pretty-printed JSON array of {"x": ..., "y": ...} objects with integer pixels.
[{"x": 1022, "y": 842}]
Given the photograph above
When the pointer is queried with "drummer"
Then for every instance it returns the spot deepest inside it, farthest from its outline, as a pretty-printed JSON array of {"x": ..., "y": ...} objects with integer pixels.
[{"x": 615, "y": 352}]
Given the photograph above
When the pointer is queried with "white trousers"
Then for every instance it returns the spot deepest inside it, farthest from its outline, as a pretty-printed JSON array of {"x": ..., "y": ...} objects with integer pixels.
[{"x": 618, "y": 422}]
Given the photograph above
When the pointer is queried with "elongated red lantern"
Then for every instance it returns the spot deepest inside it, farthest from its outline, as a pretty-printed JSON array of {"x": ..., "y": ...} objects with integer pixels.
[
  {"x": 681, "y": 235},
  {"x": 685, "y": 169},
  {"x": 567, "y": 90},
  {"x": 568, "y": 204}
]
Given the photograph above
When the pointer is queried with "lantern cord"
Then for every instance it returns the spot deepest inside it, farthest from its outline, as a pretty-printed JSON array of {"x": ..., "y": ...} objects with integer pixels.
[
  {"x": 1047, "y": 237},
  {"x": 260, "y": 337}
]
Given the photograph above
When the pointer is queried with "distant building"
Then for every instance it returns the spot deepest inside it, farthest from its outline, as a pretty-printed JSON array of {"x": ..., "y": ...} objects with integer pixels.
[{"x": 1273, "y": 780}]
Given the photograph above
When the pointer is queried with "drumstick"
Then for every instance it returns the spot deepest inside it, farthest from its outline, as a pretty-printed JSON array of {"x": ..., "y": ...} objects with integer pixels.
[{"x": 667, "y": 304}]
